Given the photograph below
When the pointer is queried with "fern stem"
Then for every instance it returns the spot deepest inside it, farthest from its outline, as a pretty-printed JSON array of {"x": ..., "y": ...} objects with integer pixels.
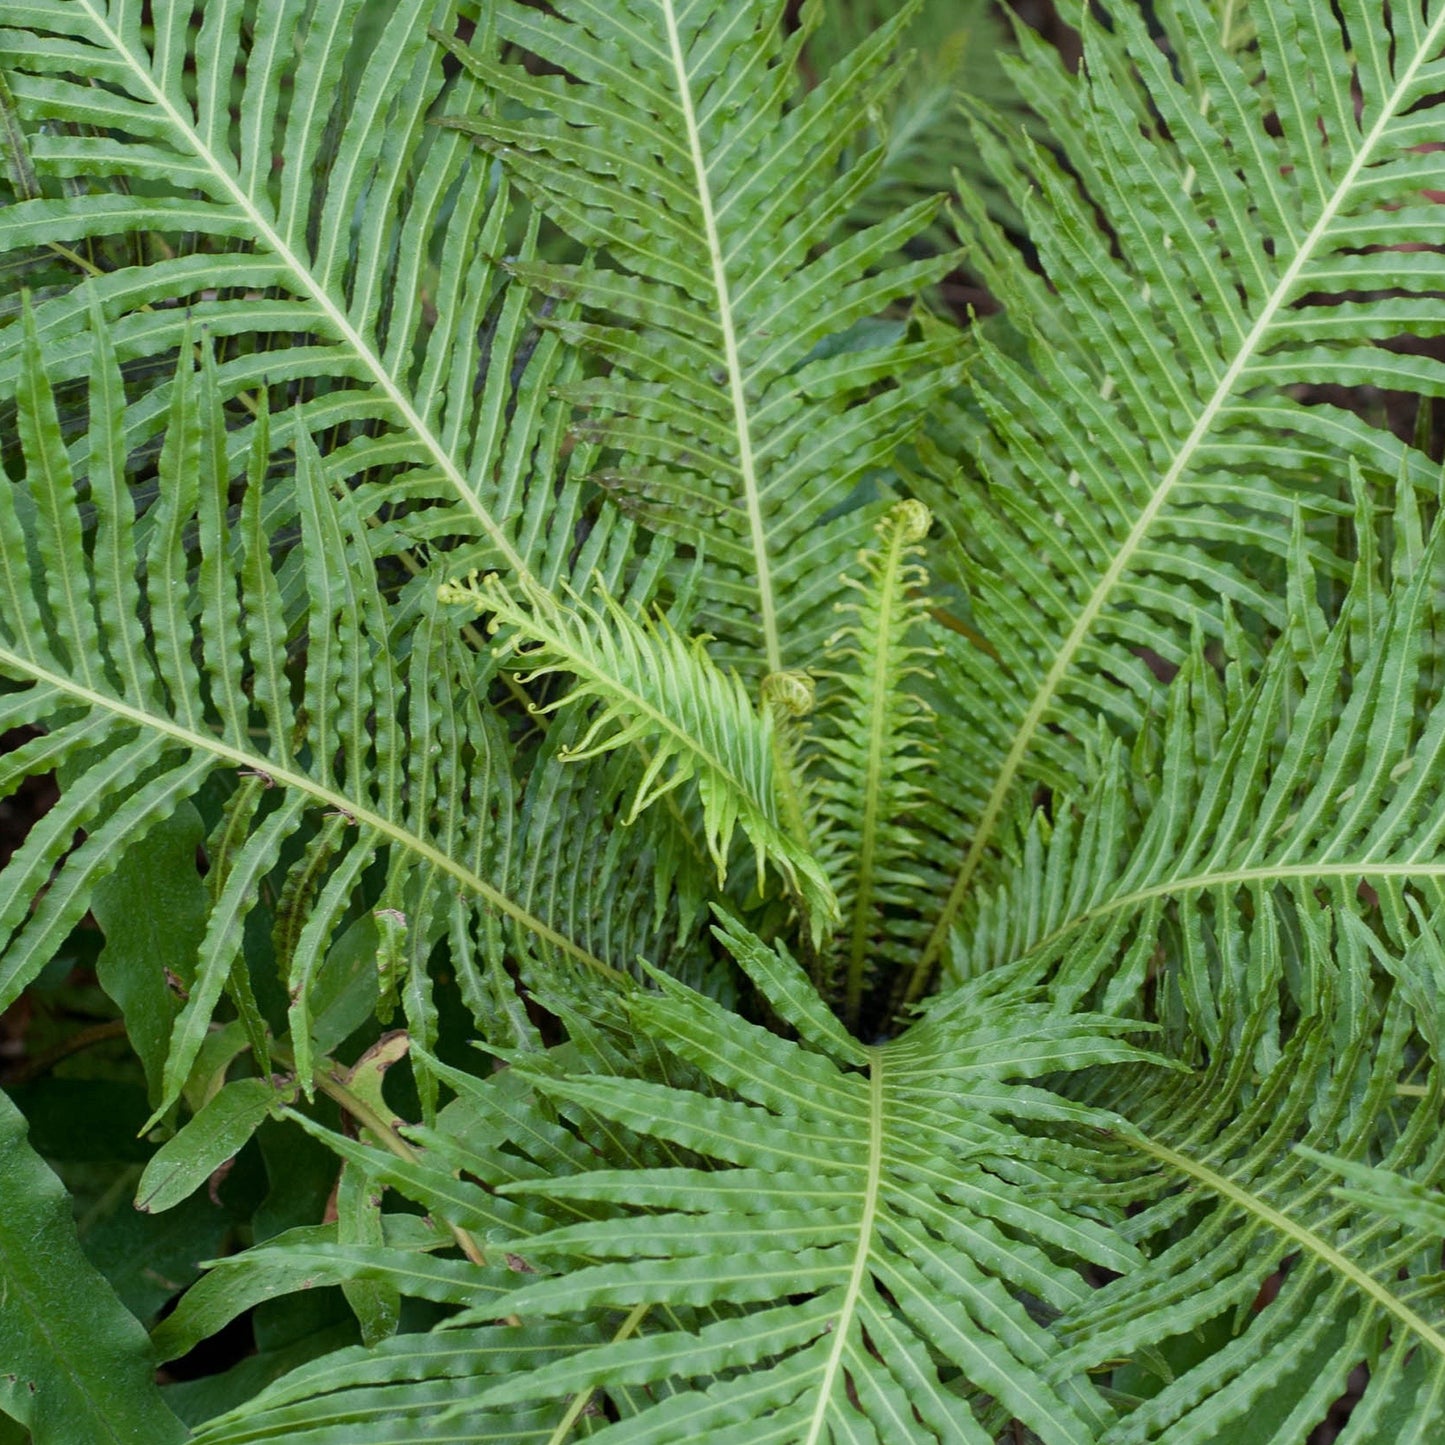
[
  {"x": 583, "y": 1398},
  {"x": 872, "y": 1189},
  {"x": 386, "y": 1134}
]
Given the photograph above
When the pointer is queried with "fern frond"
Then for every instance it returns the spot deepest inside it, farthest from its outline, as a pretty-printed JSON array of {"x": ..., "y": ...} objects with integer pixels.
[
  {"x": 1320, "y": 776},
  {"x": 741, "y": 406},
  {"x": 1215, "y": 242},
  {"x": 658, "y": 689},
  {"x": 818, "y": 1240},
  {"x": 1227, "y": 1209},
  {"x": 146, "y": 692},
  {"x": 873, "y": 738},
  {"x": 832, "y": 1180},
  {"x": 301, "y": 232},
  {"x": 653, "y": 874}
]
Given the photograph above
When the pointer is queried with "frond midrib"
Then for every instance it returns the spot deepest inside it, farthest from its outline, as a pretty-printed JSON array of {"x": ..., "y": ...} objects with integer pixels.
[
  {"x": 307, "y": 283},
  {"x": 853, "y": 1292},
  {"x": 1238, "y": 877},
  {"x": 1099, "y": 598},
  {"x": 732, "y": 360},
  {"x": 200, "y": 742},
  {"x": 1298, "y": 1234}
]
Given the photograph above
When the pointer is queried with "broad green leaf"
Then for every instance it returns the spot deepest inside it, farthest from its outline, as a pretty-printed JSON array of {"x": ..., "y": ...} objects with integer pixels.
[
  {"x": 74, "y": 1363},
  {"x": 152, "y": 912}
]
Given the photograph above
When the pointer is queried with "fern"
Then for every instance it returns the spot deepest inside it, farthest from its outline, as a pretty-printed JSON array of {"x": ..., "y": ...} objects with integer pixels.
[
  {"x": 870, "y": 787},
  {"x": 652, "y": 685},
  {"x": 1162, "y": 442},
  {"x": 487, "y": 492},
  {"x": 733, "y": 392}
]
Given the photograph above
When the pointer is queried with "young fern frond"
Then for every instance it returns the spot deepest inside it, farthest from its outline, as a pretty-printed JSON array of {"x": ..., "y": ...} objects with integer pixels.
[
  {"x": 696, "y": 721},
  {"x": 873, "y": 739},
  {"x": 742, "y": 406}
]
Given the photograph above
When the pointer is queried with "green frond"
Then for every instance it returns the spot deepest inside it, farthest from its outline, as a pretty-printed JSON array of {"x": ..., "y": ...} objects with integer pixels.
[
  {"x": 1222, "y": 238},
  {"x": 294, "y": 204},
  {"x": 1317, "y": 776},
  {"x": 146, "y": 691},
  {"x": 1268, "y": 1285},
  {"x": 657, "y": 690},
  {"x": 653, "y": 874},
  {"x": 818, "y": 1241},
  {"x": 747, "y": 391},
  {"x": 873, "y": 736}
]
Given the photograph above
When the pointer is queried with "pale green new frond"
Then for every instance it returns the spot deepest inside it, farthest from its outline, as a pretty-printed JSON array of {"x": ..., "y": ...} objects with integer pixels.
[
  {"x": 661, "y": 692},
  {"x": 1222, "y": 246},
  {"x": 747, "y": 392},
  {"x": 871, "y": 780}
]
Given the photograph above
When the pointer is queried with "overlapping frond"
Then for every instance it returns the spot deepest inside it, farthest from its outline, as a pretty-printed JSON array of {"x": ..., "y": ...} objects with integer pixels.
[
  {"x": 1267, "y": 1285},
  {"x": 1319, "y": 775},
  {"x": 1237, "y": 224},
  {"x": 744, "y": 397},
  {"x": 147, "y": 688},
  {"x": 652, "y": 874},
  {"x": 811, "y": 1241},
  {"x": 294, "y": 202}
]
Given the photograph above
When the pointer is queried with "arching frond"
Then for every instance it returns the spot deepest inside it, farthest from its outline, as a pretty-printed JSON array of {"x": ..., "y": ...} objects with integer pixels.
[
  {"x": 295, "y": 203},
  {"x": 1223, "y": 242},
  {"x": 147, "y": 691},
  {"x": 816, "y": 1241},
  {"x": 695, "y": 721},
  {"x": 742, "y": 402},
  {"x": 1319, "y": 777},
  {"x": 1268, "y": 1286}
]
